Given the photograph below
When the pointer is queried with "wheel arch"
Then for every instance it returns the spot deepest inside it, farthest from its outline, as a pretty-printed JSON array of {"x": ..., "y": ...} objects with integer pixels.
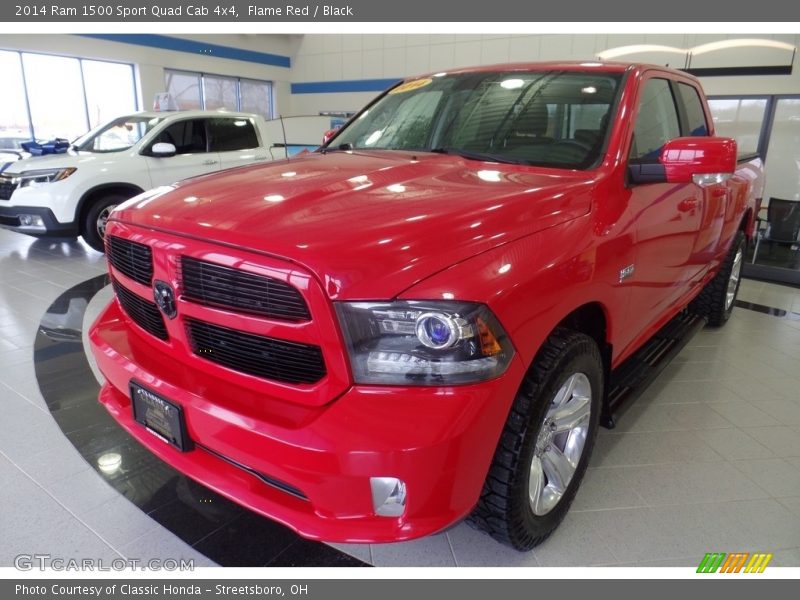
[
  {"x": 592, "y": 319},
  {"x": 99, "y": 191},
  {"x": 747, "y": 224}
]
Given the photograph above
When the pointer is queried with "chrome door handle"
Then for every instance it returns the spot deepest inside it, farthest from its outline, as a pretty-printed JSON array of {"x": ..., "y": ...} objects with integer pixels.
[{"x": 209, "y": 162}]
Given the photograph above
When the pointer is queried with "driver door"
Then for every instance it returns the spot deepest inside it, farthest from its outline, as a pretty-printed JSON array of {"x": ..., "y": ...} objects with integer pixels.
[{"x": 665, "y": 217}]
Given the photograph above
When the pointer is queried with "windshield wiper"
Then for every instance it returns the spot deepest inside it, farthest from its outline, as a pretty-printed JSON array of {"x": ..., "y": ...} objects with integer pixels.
[{"x": 477, "y": 155}]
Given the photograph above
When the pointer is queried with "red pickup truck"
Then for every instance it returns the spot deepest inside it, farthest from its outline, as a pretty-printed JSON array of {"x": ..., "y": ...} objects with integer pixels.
[{"x": 420, "y": 322}]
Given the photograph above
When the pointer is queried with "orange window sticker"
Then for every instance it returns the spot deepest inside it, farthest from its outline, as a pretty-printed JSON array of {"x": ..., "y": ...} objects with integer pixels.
[{"x": 411, "y": 85}]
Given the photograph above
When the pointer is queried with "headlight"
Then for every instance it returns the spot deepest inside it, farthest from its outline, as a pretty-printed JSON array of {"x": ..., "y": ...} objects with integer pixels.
[
  {"x": 42, "y": 176},
  {"x": 423, "y": 343}
]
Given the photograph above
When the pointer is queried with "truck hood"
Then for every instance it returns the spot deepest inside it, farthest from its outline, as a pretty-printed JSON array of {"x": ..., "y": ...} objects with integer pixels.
[{"x": 368, "y": 225}]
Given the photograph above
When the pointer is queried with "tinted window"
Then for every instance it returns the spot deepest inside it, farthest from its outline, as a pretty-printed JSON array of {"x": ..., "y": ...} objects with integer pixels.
[
  {"x": 232, "y": 134},
  {"x": 694, "y": 110},
  {"x": 188, "y": 137},
  {"x": 656, "y": 120}
]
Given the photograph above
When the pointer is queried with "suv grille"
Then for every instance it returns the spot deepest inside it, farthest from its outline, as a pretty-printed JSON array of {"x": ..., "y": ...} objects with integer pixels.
[
  {"x": 214, "y": 285},
  {"x": 145, "y": 314},
  {"x": 262, "y": 356},
  {"x": 133, "y": 259}
]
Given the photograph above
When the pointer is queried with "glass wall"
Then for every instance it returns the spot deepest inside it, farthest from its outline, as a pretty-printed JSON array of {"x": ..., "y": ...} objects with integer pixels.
[
  {"x": 779, "y": 226},
  {"x": 185, "y": 89},
  {"x": 742, "y": 119},
  {"x": 109, "y": 89},
  {"x": 770, "y": 127},
  {"x": 46, "y": 96},
  {"x": 14, "y": 122},
  {"x": 214, "y": 92}
]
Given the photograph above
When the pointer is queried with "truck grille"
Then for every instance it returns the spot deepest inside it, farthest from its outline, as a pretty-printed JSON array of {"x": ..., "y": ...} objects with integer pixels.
[
  {"x": 218, "y": 286},
  {"x": 133, "y": 259},
  {"x": 6, "y": 188},
  {"x": 145, "y": 314},
  {"x": 262, "y": 356}
]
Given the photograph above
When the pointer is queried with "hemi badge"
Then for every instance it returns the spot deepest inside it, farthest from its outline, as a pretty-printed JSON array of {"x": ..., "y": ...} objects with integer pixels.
[{"x": 625, "y": 272}]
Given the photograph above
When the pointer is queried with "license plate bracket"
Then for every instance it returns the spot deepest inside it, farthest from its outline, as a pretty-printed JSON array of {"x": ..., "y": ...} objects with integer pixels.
[{"x": 161, "y": 417}]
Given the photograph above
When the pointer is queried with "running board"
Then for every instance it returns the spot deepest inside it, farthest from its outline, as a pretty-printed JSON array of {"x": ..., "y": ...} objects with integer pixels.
[{"x": 631, "y": 378}]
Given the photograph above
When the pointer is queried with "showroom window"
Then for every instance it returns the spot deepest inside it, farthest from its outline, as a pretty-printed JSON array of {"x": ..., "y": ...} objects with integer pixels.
[
  {"x": 742, "y": 119},
  {"x": 214, "y": 92},
  {"x": 46, "y": 96},
  {"x": 769, "y": 126}
]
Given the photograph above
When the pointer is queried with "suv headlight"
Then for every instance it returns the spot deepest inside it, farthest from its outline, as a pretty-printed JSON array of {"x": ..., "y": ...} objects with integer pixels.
[
  {"x": 42, "y": 176},
  {"x": 423, "y": 343}
]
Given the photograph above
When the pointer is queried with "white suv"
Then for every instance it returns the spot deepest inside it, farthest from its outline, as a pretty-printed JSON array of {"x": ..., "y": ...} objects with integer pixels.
[{"x": 71, "y": 194}]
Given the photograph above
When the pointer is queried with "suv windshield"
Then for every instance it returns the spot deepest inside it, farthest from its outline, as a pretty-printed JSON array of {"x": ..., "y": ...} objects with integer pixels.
[
  {"x": 550, "y": 118},
  {"x": 120, "y": 134}
]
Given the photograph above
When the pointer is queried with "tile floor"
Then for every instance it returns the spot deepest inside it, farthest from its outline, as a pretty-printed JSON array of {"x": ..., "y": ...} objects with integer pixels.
[{"x": 708, "y": 459}]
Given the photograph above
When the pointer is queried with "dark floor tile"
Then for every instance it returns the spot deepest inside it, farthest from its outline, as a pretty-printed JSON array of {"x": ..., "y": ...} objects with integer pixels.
[
  {"x": 248, "y": 541},
  {"x": 306, "y": 553},
  {"x": 195, "y": 518}
]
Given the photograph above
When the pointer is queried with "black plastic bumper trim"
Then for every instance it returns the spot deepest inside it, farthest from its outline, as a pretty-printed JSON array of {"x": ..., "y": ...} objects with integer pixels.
[{"x": 9, "y": 219}]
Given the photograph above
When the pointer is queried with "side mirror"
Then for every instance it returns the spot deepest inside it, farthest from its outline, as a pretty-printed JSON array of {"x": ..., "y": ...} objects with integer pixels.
[
  {"x": 702, "y": 160},
  {"x": 328, "y": 135},
  {"x": 163, "y": 150}
]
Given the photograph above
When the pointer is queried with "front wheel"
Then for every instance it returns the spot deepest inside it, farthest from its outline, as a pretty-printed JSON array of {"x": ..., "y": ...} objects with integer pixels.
[
  {"x": 93, "y": 225},
  {"x": 546, "y": 443},
  {"x": 717, "y": 299}
]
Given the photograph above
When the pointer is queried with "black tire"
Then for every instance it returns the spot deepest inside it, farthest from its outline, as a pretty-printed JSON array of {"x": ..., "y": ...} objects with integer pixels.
[
  {"x": 505, "y": 509},
  {"x": 90, "y": 228},
  {"x": 714, "y": 303}
]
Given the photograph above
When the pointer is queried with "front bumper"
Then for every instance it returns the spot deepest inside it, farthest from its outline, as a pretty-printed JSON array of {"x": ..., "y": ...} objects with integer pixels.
[
  {"x": 10, "y": 218},
  {"x": 309, "y": 467}
]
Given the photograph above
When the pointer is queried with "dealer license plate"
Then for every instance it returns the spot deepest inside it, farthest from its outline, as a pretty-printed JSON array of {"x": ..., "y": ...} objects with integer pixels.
[{"x": 161, "y": 417}]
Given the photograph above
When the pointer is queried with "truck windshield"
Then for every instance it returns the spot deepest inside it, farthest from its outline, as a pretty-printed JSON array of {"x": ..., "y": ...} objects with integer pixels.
[
  {"x": 120, "y": 134},
  {"x": 550, "y": 118}
]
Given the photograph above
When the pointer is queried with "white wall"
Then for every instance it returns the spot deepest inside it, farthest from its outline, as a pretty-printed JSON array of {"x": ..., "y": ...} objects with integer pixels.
[
  {"x": 151, "y": 62},
  {"x": 331, "y": 57},
  {"x": 335, "y": 57}
]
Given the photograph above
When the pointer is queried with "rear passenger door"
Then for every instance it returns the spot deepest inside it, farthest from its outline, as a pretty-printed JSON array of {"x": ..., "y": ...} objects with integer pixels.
[
  {"x": 192, "y": 156},
  {"x": 714, "y": 196},
  {"x": 235, "y": 141}
]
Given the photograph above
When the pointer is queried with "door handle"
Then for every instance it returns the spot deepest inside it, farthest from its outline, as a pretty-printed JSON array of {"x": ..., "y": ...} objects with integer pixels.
[{"x": 209, "y": 162}]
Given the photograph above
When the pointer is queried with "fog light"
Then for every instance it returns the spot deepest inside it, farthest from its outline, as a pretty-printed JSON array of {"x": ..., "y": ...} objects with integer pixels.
[
  {"x": 31, "y": 221},
  {"x": 388, "y": 496}
]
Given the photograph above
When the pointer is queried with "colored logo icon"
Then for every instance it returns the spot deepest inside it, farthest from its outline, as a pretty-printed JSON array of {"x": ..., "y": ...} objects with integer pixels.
[{"x": 736, "y": 562}]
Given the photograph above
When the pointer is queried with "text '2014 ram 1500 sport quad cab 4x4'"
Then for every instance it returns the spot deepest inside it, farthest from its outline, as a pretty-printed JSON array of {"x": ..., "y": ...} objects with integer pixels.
[{"x": 420, "y": 322}]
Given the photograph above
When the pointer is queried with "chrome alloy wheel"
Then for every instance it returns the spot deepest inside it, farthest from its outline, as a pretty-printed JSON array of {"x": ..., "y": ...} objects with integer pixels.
[
  {"x": 560, "y": 443},
  {"x": 733, "y": 280},
  {"x": 102, "y": 220}
]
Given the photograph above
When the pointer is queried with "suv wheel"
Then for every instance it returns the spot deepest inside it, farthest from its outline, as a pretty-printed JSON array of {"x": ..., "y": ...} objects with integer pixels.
[{"x": 93, "y": 226}]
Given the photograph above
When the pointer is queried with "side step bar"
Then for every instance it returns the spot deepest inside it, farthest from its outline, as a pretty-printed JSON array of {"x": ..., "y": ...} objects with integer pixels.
[{"x": 631, "y": 378}]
